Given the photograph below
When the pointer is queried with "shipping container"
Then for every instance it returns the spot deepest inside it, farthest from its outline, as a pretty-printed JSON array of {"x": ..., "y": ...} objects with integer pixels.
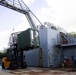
[{"x": 28, "y": 39}]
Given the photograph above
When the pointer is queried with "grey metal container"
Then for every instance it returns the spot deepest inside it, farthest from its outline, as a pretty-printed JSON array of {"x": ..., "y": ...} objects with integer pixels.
[
  {"x": 32, "y": 57},
  {"x": 70, "y": 53},
  {"x": 27, "y": 39}
]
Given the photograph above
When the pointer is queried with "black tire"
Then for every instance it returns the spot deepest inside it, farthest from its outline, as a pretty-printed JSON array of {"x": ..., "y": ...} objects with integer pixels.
[
  {"x": 24, "y": 65},
  {"x": 11, "y": 66},
  {"x": 3, "y": 66}
]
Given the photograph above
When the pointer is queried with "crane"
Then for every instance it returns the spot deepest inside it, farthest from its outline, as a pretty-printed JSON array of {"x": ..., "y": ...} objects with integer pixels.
[
  {"x": 14, "y": 58},
  {"x": 21, "y": 7}
]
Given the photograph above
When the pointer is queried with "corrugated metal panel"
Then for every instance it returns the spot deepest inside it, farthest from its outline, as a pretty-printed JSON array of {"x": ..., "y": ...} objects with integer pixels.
[
  {"x": 70, "y": 53},
  {"x": 32, "y": 57},
  {"x": 27, "y": 39},
  {"x": 23, "y": 39},
  {"x": 49, "y": 38},
  {"x": 74, "y": 53},
  {"x": 54, "y": 57},
  {"x": 43, "y": 45},
  {"x": 55, "y": 53}
]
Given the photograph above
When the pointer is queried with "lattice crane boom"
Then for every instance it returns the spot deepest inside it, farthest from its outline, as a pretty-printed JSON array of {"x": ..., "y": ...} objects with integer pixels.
[{"x": 21, "y": 7}]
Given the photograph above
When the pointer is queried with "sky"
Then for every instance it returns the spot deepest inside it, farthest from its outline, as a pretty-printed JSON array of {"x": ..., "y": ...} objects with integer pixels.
[{"x": 58, "y": 12}]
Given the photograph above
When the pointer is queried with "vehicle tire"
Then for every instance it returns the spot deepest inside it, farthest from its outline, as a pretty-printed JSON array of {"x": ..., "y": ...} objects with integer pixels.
[
  {"x": 24, "y": 65},
  {"x": 3, "y": 66},
  {"x": 11, "y": 67}
]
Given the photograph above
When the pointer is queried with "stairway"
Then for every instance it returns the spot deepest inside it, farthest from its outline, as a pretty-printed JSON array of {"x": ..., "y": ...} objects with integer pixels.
[{"x": 67, "y": 38}]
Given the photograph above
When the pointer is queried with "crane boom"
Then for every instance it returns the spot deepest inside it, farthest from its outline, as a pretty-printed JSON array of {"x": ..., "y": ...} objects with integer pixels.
[{"x": 21, "y": 7}]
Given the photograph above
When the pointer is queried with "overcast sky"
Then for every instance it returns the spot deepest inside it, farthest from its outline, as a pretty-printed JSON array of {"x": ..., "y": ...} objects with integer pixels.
[{"x": 59, "y": 12}]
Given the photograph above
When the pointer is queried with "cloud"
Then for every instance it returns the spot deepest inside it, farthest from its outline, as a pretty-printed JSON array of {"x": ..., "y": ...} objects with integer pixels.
[
  {"x": 64, "y": 13},
  {"x": 23, "y": 26},
  {"x": 28, "y": 1},
  {"x": 4, "y": 38},
  {"x": 45, "y": 14}
]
